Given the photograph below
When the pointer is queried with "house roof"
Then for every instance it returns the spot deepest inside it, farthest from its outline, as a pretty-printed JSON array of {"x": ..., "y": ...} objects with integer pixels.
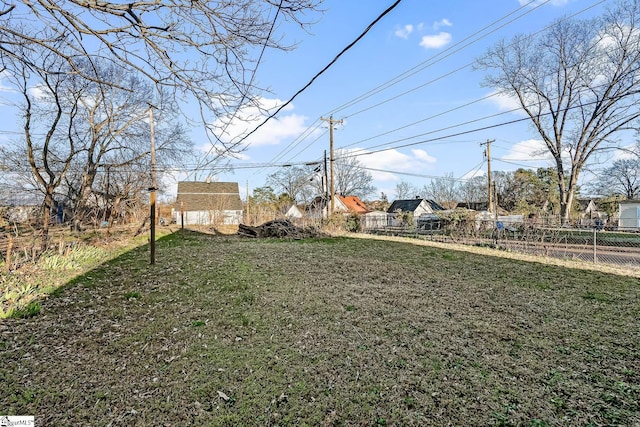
[
  {"x": 354, "y": 204},
  {"x": 410, "y": 205},
  {"x": 198, "y": 195},
  {"x": 587, "y": 204}
]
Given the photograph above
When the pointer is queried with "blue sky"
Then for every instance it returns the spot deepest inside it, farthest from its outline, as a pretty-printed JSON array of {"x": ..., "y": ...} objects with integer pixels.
[
  {"x": 403, "y": 132},
  {"x": 431, "y": 36}
]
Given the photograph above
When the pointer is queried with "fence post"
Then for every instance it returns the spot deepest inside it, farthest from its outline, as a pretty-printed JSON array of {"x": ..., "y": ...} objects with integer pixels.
[{"x": 595, "y": 255}]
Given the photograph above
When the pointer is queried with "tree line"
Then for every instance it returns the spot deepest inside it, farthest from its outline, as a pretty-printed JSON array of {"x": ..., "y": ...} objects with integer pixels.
[{"x": 86, "y": 74}]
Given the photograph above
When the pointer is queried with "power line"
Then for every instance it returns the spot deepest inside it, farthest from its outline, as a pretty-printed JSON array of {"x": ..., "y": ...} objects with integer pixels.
[
  {"x": 417, "y": 175},
  {"x": 458, "y": 133},
  {"x": 473, "y": 121},
  {"x": 432, "y": 60},
  {"x": 445, "y": 75},
  {"x": 422, "y": 120},
  {"x": 253, "y": 75},
  {"x": 298, "y": 140},
  {"x": 322, "y": 71},
  {"x": 422, "y": 66}
]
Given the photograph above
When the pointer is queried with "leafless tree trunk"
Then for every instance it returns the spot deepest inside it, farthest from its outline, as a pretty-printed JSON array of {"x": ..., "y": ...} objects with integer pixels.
[
  {"x": 578, "y": 82},
  {"x": 46, "y": 145},
  {"x": 204, "y": 51}
]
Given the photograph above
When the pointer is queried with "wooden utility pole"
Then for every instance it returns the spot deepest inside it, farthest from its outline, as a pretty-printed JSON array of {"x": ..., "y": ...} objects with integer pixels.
[
  {"x": 245, "y": 220},
  {"x": 487, "y": 153},
  {"x": 152, "y": 189},
  {"x": 325, "y": 184},
  {"x": 332, "y": 183}
]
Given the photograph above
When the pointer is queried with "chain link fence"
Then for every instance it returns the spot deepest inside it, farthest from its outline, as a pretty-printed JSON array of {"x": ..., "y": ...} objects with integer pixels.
[{"x": 595, "y": 244}]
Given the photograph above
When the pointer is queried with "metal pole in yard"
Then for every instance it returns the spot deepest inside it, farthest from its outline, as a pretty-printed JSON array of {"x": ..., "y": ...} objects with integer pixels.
[{"x": 152, "y": 190}]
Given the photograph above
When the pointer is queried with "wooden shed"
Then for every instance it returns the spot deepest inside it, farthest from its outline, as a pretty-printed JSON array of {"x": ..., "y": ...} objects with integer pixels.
[{"x": 208, "y": 203}]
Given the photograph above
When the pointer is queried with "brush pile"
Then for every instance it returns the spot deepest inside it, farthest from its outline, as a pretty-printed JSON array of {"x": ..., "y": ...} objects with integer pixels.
[{"x": 279, "y": 228}]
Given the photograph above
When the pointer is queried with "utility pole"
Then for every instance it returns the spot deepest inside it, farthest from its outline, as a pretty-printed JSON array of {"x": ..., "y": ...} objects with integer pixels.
[
  {"x": 487, "y": 153},
  {"x": 246, "y": 220},
  {"x": 332, "y": 183},
  {"x": 325, "y": 184},
  {"x": 152, "y": 190}
]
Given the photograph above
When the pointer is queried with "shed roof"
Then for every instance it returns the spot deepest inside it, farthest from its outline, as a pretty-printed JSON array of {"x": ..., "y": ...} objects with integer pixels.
[{"x": 199, "y": 195}]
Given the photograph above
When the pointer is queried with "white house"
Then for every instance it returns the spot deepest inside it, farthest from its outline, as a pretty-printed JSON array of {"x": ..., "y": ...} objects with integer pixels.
[{"x": 417, "y": 207}]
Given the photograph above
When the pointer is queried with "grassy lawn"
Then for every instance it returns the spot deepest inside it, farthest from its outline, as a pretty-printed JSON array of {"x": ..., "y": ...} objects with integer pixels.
[{"x": 332, "y": 331}]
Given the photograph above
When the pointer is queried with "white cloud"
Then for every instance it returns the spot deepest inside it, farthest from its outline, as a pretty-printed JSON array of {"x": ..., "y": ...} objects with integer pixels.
[
  {"x": 38, "y": 92},
  {"x": 395, "y": 161},
  {"x": 404, "y": 32},
  {"x": 532, "y": 151},
  {"x": 423, "y": 155},
  {"x": 506, "y": 103},
  {"x": 436, "y": 41},
  {"x": 272, "y": 133},
  {"x": 625, "y": 152},
  {"x": 444, "y": 22},
  {"x": 4, "y": 88}
]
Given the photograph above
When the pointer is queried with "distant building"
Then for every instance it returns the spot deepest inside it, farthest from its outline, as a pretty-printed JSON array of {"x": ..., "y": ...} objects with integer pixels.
[
  {"x": 425, "y": 208},
  {"x": 351, "y": 204},
  {"x": 629, "y": 218},
  {"x": 208, "y": 203},
  {"x": 374, "y": 220},
  {"x": 295, "y": 212}
]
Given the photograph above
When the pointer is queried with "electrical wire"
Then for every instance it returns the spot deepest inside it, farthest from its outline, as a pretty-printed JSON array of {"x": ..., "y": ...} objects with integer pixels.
[
  {"x": 413, "y": 71},
  {"x": 434, "y": 59},
  {"x": 253, "y": 75},
  {"x": 466, "y": 132},
  {"x": 422, "y": 66},
  {"x": 322, "y": 71}
]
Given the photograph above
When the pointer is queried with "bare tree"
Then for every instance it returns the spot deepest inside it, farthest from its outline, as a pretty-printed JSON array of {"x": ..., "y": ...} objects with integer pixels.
[
  {"x": 351, "y": 179},
  {"x": 111, "y": 130},
  {"x": 474, "y": 190},
  {"x": 45, "y": 143},
  {"x": 622, "y": 177},
  {"x": 405, "y": 190},
  {"x": 294, "y": 181},
  {"x": 202, "y": 51},
  {"x": 578, "y": 82},
  {"x": 443, "y": 190}
]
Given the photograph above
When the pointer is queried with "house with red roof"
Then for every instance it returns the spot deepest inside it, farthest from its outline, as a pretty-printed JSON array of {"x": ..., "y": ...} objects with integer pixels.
[{"x": 351, "y": 204}]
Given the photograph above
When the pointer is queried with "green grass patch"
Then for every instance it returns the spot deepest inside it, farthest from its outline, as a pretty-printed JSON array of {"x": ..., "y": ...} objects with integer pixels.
[{"x": 338, "y": 331}]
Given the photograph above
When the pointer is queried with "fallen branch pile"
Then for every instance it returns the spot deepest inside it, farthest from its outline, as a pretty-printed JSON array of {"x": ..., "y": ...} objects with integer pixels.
[{"x": 280, "y": 228}]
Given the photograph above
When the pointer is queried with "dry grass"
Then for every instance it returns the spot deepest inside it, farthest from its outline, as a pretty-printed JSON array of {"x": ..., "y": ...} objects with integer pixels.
[{"x": 336, "y": 331}]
